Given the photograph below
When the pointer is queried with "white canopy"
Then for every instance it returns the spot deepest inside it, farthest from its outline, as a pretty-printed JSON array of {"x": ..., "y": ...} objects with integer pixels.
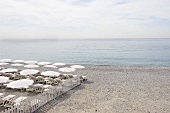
[
  {"x": 51, "y": 66},
  {"x": 9, "y": 70},
  {"x": 4, "y": 79},
  {"x": 44, "y": 63},
  {"x": 67, "y": 69},
  {"x": 59, "y": 64},
  {"x": 17, "y": 64},
  {"x": 50, "y": 73},
  {"x": 5, "y": 60},
  {"x": 77, "y": 66},
  {"x": 38, "y": 84},
  {"x": 31, "y": 62},
  {"x": 29, "y": 72},
  {"x": 48, "y": 86},
  {"x": 3, "y": 64},
  {"x": 23, "y": 83},
  {"x": 1, "y": 94},
  {"x": 31, "y": 66},
  {"x": 19, "y": 61}
]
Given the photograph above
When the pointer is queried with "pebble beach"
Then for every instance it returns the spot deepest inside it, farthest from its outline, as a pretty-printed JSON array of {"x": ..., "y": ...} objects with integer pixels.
[{"x": 117, "y": 89}]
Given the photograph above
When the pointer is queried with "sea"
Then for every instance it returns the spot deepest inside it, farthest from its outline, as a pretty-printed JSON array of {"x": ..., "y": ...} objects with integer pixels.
[{"x": 124, "y": 52}]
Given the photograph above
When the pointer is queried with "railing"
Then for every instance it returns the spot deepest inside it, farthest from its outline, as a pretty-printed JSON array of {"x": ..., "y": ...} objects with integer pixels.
[{"x": 32, "y": 104}]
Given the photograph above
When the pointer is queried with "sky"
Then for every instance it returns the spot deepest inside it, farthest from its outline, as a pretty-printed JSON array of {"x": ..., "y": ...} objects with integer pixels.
[{"x": 62, "y": 19}]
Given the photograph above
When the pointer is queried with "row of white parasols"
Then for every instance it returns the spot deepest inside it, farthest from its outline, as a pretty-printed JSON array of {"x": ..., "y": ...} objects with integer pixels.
[
  {"x": 34, "y": 64},
  {"x": 24, "y": 83}
]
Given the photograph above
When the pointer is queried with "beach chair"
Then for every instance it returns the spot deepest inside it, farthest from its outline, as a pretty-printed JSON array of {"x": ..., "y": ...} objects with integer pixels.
[
  {"x": 39, "y": 89},
  {"x": 4, "y": 100},
  {"x": 15, "y": 102},
  {"x": 62, "y": 76},
  {"x": 50, "y": 81},
  {"x": 15, "y": 77},
  {"x": 57, "y": 81},
  {"x": 2, "y": 85},
  {"x": 30, "y": 88},
  {"x": 23, "y": 77},
  {"x": 33, "y": 78},
  {"x": 83, "y": 78},
  {"x": 8, "y": 74},
  {"x": 40, "y": 79},
  {"x": 70, "y": 76}
]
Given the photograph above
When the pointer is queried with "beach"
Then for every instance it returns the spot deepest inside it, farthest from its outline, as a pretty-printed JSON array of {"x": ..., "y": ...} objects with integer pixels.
[{"x": 117, "y": 89}]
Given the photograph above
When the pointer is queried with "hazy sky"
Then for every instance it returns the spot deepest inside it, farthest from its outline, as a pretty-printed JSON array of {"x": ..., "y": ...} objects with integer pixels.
[{"x": 84, "y": 19}]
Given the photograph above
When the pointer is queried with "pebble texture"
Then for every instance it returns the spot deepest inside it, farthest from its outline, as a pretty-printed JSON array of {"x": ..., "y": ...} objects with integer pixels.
[{"x": 117, "y": 89}]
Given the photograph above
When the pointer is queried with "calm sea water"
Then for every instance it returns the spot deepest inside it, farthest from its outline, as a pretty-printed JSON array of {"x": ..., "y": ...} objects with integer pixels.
[{"x": 90, "y": 51}]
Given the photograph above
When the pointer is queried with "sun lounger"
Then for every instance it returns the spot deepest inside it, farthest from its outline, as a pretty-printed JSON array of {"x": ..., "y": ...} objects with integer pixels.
[
  {"x": 58, "y": 81},
  {"x": 1, "y": 95},
  {"x": 30, "y": 88},
  {"x": 6, "y": 99},
  {"x": 50, "y": 81},
  {"x": 15, "y": 102},
  {"x": 33, "y": 78},
  {"x": 83, "y": 78},
  {"x": 40, "y": 79},
  {"x": 39, "y": 89}
]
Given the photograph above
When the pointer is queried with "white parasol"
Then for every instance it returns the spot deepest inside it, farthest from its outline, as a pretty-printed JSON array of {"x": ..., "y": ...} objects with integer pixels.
[
  {"x": 3, "y": 64},
  {"x": 51, "y": 66},
  {"x": 31, "y": 62},
  {"x": 4, "y": 79},
  {"x": 9, "y": 70},
  {"x": 29, "y": 72},
  {"x": 31, "y": 66},
  {"x": 77, "y": 66},
  {"x": 19, "y": 61},
  {"x": 17, "y": 64},
  {"x": 59, "y": 64},
  {"x": 38, "y": 84},
  {"x": 23, "y": 83},
  {"x": 67, "y": 69},
  {"x": 44, "y": 63},
  {"x": 48, "y": 86},
  {"x": 5, "y": 60},
  {"x": 50, "y": 73}
]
